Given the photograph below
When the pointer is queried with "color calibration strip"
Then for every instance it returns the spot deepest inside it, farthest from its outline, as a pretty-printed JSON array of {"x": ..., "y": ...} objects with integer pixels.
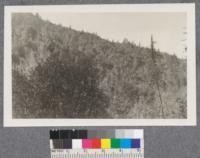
[{"x": 98, "y": 144}]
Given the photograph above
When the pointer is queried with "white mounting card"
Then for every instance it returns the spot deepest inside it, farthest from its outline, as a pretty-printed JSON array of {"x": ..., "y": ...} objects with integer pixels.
[{"x": 100, "y": 65}]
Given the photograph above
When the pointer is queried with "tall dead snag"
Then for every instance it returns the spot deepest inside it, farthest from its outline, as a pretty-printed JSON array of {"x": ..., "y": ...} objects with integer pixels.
[{"x": 156, "y": 76}]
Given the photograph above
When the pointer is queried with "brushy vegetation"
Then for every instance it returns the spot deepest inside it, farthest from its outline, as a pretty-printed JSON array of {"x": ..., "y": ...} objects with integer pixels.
[{"x": 59, "y": 72}]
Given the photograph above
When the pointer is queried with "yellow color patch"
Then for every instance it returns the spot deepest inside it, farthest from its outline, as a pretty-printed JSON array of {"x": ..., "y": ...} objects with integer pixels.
[{"x": 105, "y": 143}]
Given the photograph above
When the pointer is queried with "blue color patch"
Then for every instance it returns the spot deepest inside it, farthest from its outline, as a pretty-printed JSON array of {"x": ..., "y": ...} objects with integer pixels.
[
  {"x": 135, "y": 143},
  {"x": 125, "y": 143}
]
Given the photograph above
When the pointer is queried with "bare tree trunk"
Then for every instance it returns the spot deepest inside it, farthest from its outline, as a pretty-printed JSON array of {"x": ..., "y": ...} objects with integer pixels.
[{"x": 156, "y": 81}]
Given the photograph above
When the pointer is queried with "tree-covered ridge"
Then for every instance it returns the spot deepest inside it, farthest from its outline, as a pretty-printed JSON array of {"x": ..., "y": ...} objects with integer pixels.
[{"x": 63, "y": 73}]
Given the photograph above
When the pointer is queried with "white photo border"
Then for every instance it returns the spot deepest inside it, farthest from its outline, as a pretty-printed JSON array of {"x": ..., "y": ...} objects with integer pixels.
[{"x": 188, "y": 8}]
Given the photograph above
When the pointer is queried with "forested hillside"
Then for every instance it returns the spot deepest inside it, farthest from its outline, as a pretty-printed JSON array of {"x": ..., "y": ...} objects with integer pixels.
[{"x": 59, "y": 72}]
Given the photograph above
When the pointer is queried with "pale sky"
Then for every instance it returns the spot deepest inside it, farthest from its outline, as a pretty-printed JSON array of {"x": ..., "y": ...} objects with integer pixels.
[{"x": 166, "y": 28}]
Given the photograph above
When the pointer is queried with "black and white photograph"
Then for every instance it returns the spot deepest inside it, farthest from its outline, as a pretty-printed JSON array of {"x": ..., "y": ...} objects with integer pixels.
[{"x": 99, "y": 64}]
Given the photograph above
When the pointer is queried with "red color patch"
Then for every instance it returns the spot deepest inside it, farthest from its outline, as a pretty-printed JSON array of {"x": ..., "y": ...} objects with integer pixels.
[{"x": 96, "y": 143}]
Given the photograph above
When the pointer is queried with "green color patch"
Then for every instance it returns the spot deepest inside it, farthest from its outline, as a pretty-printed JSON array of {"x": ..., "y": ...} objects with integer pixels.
[{"x": 115, "y": 143}]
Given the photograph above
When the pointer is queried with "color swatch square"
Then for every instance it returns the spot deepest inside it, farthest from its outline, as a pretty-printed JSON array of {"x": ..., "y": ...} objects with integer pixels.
[
  {"x": 119, "y": 133},
  {"x": 115, "y": 143},
  {"x": 57, "y": 144},
  {"x": 76, "y": 143},
  {"x": 105, "y": 143},
  {"x": 135, "y": 143},
  {"x": 138, "y": 133},
  {"x": 87, "y": 143},
  {"x": 129, "y": 133},
  {"x": 125, "y": 143},
  {"x": 96, "y": 143},
  {"x": 67, "y": 143}
]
